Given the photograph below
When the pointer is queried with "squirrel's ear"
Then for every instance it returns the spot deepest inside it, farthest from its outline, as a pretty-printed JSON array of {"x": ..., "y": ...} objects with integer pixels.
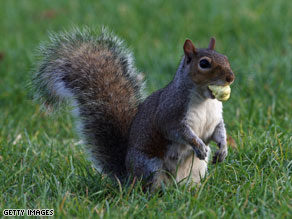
[
  {"x": 212, "y": 43},
  {"x": 189, "y": 50}
]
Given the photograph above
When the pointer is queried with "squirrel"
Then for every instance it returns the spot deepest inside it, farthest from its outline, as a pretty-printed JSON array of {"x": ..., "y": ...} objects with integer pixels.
[{"x": 158, "y": 139}]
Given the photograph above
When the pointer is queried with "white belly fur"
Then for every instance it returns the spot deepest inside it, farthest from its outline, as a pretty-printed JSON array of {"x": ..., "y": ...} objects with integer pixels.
[
  {"x": 192, "y": 168},
  {"x": 202, "y": 118}
]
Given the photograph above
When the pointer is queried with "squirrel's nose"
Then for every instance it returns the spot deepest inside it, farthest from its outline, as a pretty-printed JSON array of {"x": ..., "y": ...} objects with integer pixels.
[{"x": 229, "y": 78}]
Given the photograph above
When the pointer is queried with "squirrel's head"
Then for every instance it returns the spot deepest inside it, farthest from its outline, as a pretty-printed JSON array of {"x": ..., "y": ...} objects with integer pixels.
[{"x": 207, "y": 67}]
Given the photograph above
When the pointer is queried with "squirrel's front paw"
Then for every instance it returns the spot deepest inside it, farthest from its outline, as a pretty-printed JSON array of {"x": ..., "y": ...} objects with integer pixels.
[
  {"x": 200, "y": 148},
  {"x": 220, "y": 155}
]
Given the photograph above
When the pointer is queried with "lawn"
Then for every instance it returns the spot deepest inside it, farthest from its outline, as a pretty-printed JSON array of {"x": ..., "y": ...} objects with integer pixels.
[{"x": 43, "y": 164}]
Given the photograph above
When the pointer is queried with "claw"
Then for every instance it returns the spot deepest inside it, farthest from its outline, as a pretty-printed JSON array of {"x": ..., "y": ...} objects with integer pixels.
[
  {"x": 201, "y": 154},
  {"x": 219, "y": 156},
  {"x": 200, "y": 148}
]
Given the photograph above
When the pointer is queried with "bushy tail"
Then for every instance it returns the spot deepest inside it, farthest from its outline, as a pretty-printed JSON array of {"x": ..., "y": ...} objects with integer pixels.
[{"x": 95, "y": 73}]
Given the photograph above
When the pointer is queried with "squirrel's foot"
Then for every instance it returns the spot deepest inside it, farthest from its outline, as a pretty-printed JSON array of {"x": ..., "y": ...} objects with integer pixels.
[{"x": 220, "y": 155}]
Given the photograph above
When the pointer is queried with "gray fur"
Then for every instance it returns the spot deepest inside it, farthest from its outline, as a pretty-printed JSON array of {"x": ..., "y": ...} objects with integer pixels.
[{"x": 219, "y": 136}]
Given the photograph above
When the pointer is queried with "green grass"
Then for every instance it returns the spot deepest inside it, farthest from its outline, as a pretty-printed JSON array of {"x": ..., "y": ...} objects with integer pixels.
[{"x": 42, "y": 164}]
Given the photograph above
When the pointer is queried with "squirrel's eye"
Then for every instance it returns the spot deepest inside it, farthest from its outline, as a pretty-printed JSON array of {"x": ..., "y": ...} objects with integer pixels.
[{"x": 204, "y": 63}]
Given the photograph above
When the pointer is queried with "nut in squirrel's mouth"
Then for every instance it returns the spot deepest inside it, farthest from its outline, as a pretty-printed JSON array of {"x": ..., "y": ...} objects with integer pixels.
[{"x": 220, "y": 92}]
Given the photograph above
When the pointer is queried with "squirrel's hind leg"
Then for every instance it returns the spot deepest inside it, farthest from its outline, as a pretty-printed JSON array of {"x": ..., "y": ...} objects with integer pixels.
[{"x": 140, "y": 165}]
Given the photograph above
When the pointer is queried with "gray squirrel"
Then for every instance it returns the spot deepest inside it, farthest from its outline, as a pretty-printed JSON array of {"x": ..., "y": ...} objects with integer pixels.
[{"x": 158, "y": 139}]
